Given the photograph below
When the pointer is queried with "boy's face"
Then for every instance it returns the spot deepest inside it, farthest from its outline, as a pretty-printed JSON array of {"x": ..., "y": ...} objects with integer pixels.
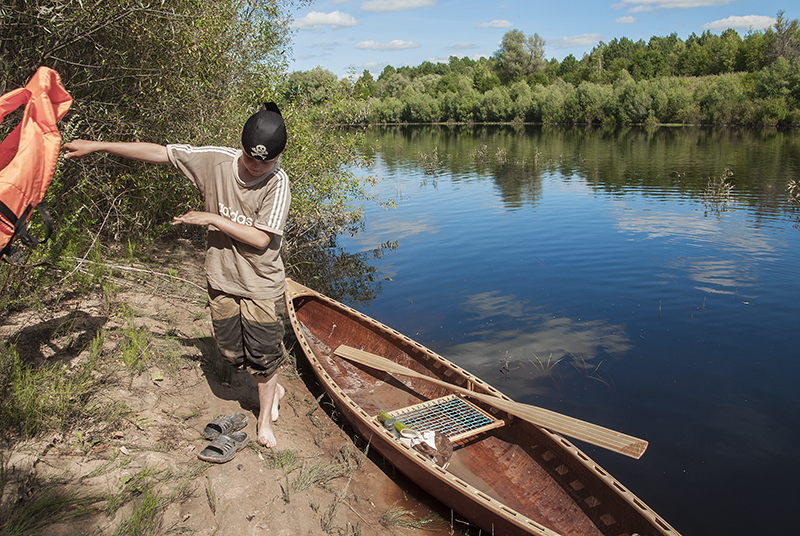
[{"x": 257, "y": 167}]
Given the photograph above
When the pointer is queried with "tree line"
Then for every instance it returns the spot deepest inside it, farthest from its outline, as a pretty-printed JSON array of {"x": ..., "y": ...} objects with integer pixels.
[{"x": 711, "y": 79}]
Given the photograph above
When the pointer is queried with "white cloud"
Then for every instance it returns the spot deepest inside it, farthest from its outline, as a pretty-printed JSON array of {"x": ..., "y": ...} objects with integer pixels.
[
  {"x": 395, "y": 44},
  {"x": 316, "y": 19},
  {"x": 463, "y": 46},
  {"x": 325, "y": 45},
  {"x": 499, "y": 23},
  {"x": 340, "y": 2},
  {"x": 576, "y": 41},
  {"x": 306, "y": 57},
  {"x": 749, "y": 22},
  {"x": 637, "y": 6},
  {"x": 380, "y": 6},
  {"x": 626, "y": 20}
]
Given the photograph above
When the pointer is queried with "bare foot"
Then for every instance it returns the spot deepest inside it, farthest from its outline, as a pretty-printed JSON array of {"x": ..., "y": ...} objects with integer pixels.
[
  {"x": 279, "y": 392},
  {"x": 270, "y": 393},
  {"x": 266, "y": 436}
]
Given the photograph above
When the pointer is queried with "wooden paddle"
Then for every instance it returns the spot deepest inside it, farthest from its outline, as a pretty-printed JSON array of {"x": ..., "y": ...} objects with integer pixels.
[{"x": 569, "y": 426}]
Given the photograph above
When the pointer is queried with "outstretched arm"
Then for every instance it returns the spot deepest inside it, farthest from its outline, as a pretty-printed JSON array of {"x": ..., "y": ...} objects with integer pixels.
[{"x": 145, "y": 152}]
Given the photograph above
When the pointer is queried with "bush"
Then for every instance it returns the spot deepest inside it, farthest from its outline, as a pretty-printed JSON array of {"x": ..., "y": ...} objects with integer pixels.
[
  {"x": 495, "y": 105},
  {"x": 419, "y": 107}
]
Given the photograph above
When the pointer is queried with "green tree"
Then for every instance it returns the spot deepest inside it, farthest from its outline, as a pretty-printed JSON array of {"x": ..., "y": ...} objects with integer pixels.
[
  {"x": 591, "y": 101},
  {"x": 753, "y": 52},
  {"x": 570, "y": 70},
  {"x": 521, "y": 100},
  {"x": 697, "y": 60},
  {"x": 670, "y": 49},
  {"x": 461, "y": 104},
  {"x": 593, "y": 63},
  {"x": 785, "y": 39},
  {"x": 427, "y": 83},
  {"x": 387, "y": 110},
  {"x": 483, "y": 77},
  {"x": 721, "y": 99},
  {"x": 727, "y": 55},
  {"x": 632, "y": 102},
  {"x": 647, "y": 64},
  {"x": 460, "y": 65},
  {"x": 419, "y": 107},
  {"x": 618, "y": 55},
  {"x": 554, "y": 107},
  {"x": 519, "y": 56},
  {"x": 393, "y": 85},
  {"x": 779, "y": 79},
  {"x": 365, "y": 85},
  {"x": 495, "y": 105},
  {"x": 316, "y": 85}
]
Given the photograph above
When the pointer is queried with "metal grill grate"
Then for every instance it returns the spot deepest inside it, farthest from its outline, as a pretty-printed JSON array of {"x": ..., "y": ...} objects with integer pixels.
[{"x": 451, "y": 415}]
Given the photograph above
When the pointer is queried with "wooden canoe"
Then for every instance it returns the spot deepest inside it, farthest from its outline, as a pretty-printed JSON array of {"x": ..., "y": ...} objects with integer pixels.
[{"x": 506, "y": 475}]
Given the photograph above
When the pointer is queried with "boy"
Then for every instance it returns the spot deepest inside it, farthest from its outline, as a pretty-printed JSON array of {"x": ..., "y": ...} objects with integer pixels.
[{"x": 247, "y": 197}]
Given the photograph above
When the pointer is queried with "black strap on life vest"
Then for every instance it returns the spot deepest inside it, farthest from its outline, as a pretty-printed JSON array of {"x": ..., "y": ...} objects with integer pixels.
[{"x": 20, "y": 226}]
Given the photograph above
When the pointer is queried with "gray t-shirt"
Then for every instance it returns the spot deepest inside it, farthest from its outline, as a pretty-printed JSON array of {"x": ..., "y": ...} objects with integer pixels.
[{"x": 233, "y": 267}]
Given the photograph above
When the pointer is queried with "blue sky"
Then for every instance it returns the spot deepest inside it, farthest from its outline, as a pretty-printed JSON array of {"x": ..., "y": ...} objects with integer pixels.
[{"x": 353, "y": 35}]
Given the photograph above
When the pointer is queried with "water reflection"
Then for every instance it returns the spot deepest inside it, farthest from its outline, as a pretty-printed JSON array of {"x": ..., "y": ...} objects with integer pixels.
[
  {"x": 540, "y": 347},
  {"x": 343, "y": 276},
  {"x": 744, "y": 247},
  {"x": 613, "y": 159},
  {"x": 543, "y": 339}
]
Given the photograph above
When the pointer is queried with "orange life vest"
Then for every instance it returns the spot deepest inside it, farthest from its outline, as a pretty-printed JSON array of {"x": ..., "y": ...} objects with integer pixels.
[{"x": 29, "y": 154}]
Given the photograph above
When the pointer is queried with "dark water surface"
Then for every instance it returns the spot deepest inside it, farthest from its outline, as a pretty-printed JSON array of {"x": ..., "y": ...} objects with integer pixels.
[{"x": 594, "y": 273}]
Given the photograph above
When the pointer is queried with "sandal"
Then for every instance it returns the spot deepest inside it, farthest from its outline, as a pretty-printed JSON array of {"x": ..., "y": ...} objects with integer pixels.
[
  {"x": 225, "y": 425},
  {"x": 224, "y": 448}
]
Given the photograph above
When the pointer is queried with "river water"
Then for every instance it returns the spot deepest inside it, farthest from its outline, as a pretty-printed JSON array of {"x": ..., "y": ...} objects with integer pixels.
[{"x": 610, "y": 275}]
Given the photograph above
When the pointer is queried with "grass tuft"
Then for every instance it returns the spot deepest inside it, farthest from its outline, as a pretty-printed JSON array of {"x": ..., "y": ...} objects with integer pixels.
[
  {"x": 396, "y": 517},
  {"x": 718, "y": 193},
  {"x": 145, "y": 520},
  {"x": 283, "y": 459},
  {"x": 319, "y": 473}
]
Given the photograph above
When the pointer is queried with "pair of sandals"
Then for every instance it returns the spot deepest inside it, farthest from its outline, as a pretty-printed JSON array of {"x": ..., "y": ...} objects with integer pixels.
[{"x": 226, "y": 439}]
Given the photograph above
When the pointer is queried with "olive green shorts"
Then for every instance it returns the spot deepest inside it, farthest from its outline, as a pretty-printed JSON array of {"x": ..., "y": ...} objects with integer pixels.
[{"x": 249, "y": 332}]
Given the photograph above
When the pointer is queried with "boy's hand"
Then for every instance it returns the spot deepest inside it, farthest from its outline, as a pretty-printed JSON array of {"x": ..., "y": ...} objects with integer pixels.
[
  {"x": 194, "y": 217},
  {"x": 77, "y": 149}
]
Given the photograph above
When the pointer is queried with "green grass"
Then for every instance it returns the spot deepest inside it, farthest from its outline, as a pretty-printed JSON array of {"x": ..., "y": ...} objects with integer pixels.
[
  {"x": 718, "y": 193},
  {"x": 29, "y": 503},
  {"x": 347, "y": 461},
  {"x": 396, "y": 517},
  {"x": 151, "y": 490},
  {"x": 145, "y": 520},
  {"x": 45, "y": 508},
  {"x": 319, "y": 473},
  {"x": 135, "y": 348},
  {"x": 41, "y": 398},
  {"x": 287, "y": 459}
]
